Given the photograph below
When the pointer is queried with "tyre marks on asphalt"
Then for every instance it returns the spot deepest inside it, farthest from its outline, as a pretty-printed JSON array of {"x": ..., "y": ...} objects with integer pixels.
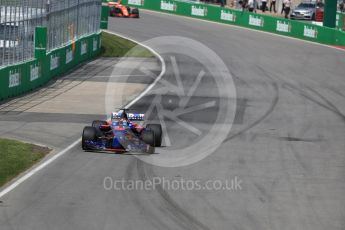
[
  {"x": 291, "y": 150},
  {"x": 175, "y": 216},
  {"x": 29, "y": 117},
  {"x": 57, "y": 87},
  {"x": 269, "y": 110},
  {"x": 181, "y": 217}
]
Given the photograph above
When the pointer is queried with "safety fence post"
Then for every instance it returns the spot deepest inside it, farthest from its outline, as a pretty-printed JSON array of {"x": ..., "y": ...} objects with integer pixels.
[
  {"x": 40, "y": 42},
  {"x": 330, "y": 13},
  {"x": 104, "y": 17}
]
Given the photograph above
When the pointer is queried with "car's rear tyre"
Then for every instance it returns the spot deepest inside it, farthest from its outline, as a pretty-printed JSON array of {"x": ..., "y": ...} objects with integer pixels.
[
  {"x": 113, "y": 11},
  {"x": 157, "y": 129},
  {"x": 148, "y": 136},
  {"x": 98, "y": 123},
  {"x": 89, "y": 134}
]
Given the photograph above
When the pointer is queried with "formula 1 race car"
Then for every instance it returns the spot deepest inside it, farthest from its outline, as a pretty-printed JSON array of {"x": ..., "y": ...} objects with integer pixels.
[
  {"x": 121, "y": 134},
  {"x": 116, "y": 9}
]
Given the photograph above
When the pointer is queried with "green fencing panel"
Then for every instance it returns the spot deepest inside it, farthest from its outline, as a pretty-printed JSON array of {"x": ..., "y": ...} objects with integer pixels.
[
  {"x": 14, "y": 79},
  {"x": 340, "y": 38},
  {"x": 260, "y": 22},
  {"x": 83, "y": 49},
  {"x": 140, "y": 3},
  {"x": 34, "y": 77},
  {"x": 55, "y": 61},
  {"x": 3, "y": 85},
  {"x": 340, "y": 21},
  {"x": 27, "y": 76}
]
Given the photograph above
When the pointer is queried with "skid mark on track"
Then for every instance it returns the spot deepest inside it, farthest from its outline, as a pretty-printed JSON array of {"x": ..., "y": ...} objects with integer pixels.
[
  {"x": 181, "y": 217},
  {"x": 260, "y": 119},
  {"x": 242, "y": 104},
  {"x": 270, "y": 109},
  {"x": 299, "y": 139},
  {"x": 315, "y": 97},
  {"x": 174, "y": 212},
  {"x": 55, "y": 88},
  {"x": 136, "y": 197}
]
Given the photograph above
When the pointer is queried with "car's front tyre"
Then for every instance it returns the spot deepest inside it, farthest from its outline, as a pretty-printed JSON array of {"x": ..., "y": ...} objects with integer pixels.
[
  {"x": 148, "y": 136},
  {"x": 157, "y": 130},
  {"x": 89, "y": 135},
  {"x": 135, "y": 12}
]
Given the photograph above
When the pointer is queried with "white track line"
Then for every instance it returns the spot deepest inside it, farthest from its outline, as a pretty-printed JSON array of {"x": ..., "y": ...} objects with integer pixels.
[
  {"x": 66, "y": 150},
  {"x": 244, "y": 28}
]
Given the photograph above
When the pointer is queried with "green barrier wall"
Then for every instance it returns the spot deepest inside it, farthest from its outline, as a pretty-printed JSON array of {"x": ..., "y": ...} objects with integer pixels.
[
  {"x": 275, "y": 25},
  {"x": 27, "y": 76},
  {"x": 340, "y": 21}
]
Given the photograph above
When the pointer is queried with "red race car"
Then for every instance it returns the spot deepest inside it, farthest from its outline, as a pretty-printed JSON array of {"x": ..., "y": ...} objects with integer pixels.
[{"x": 119, "y": 10}]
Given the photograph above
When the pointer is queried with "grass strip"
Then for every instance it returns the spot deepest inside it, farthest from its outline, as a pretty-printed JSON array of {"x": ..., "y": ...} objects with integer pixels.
[
  {"x": 115, "y": 46},
  {"x": 16, "y": 157}
]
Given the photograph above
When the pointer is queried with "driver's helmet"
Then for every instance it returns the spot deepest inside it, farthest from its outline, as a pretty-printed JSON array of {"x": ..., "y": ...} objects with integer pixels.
[{"x": 124, "y": 122}]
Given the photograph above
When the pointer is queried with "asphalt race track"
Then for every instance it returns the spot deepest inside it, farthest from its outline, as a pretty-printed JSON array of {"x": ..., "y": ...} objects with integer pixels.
[{"x": 286, "y": 146}]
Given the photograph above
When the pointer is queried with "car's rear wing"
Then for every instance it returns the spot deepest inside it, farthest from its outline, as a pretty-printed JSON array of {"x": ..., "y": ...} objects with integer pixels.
[{"x": 130, "y": 116}]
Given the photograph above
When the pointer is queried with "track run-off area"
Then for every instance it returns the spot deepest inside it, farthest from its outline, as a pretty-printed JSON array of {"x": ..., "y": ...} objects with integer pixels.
[{"x": 281, "y": 153}]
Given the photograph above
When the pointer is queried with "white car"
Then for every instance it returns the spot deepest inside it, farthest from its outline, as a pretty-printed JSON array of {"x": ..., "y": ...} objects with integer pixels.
[{"x": 306, "y": 11}]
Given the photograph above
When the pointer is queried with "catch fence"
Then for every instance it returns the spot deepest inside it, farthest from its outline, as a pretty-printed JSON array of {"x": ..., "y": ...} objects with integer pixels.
[{"x": 66, "y": 22}]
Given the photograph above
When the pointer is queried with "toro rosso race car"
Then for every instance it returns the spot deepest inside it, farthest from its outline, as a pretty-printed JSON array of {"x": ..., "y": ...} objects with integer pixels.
[
  {"x": 116, "y": 9},
  {"x": 121, "y": 134}
]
